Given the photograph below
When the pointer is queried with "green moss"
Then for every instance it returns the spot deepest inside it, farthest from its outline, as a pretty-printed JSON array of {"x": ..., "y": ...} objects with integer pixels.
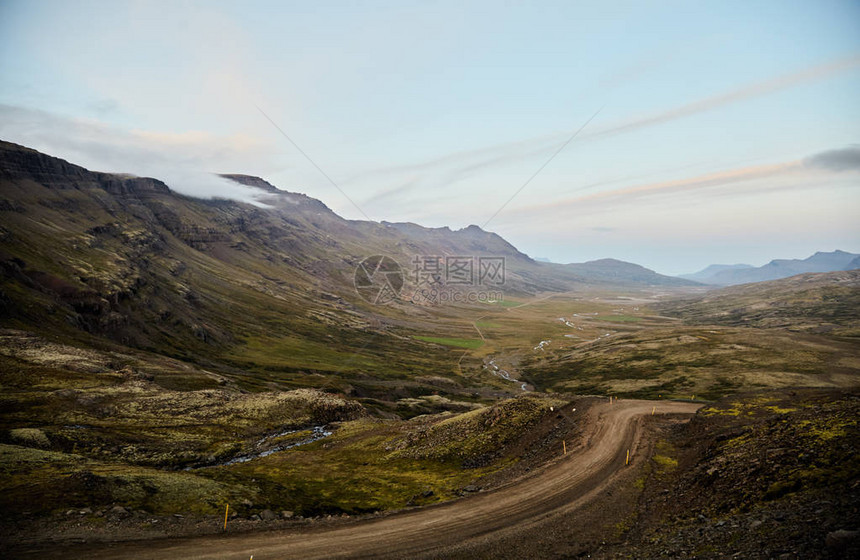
[
  {"x": 474, "y": 437},
  {"x": 43, "y": 481},
  {"x": 354, "y": 471},
  {"x": 31, "y": 437},
  {"x": 664, "y": 457},
  {"x": 780, "y": 410},
  {"x": 665, "y": 463}
]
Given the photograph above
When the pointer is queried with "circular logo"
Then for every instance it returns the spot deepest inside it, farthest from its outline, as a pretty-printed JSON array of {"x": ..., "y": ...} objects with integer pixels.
[{"x": 378, "y": 279}]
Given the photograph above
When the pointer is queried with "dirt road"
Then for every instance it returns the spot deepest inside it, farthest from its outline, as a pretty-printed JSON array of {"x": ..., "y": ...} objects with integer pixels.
[{"x": 563, "y": 486}]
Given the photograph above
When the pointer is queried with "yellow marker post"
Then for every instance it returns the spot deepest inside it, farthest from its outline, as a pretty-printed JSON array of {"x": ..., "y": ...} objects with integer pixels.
[
  {"x": 564, "y": 446},
  {"x": 653, "y": 410},
  {"x": 627, "y": 462},
  {"x": 226, "y": 510}
]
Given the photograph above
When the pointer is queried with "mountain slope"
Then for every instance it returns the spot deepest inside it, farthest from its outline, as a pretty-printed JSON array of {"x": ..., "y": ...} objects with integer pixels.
[
  {"x": 823, "y": 302},
  {"x": 262, "y": 293}
]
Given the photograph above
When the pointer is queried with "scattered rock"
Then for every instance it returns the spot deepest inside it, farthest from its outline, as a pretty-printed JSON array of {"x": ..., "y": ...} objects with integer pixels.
[
  {"x": 842, "y": 539},
  {"x": 287, "y": 514},
  {"x": 267, "y": 515},
  {"x": 118, "y": 511},
  {"x": 255, "y": 517},
  {"x": 86, "y": 511}
]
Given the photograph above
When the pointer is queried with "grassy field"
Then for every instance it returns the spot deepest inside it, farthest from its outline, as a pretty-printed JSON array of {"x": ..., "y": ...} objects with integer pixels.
[
  {"x": 365, "y": 464},
  {"x": 414, "y": 418},
  {"x": 456, "y": 342}
]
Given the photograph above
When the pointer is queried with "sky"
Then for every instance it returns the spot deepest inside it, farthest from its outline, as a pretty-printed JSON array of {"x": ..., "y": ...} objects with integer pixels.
[{"x": 673, "y": 134}]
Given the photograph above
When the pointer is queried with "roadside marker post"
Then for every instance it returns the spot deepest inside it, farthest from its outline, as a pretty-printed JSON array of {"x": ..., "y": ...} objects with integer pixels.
[
  {"x": 564, "y": 446},
  {"x": 653, "y": 410},
  {"x": 627, "y": 461},
  {"x": 226, "y": 510}
]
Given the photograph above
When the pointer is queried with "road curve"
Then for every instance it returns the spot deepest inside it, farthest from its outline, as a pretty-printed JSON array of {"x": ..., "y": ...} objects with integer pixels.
[{"x": 609, "y": 431}]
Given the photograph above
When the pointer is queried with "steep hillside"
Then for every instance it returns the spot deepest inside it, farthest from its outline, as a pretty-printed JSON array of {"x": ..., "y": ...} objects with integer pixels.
[
  {"x": 771, "y": 474},
  {"x": 91, "y": 256}
]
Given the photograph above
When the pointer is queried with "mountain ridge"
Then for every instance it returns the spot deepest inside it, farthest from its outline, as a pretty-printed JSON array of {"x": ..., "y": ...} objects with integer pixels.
[
  {"x": 821, "y": 261},
  {"x": 609, "y": 269}
]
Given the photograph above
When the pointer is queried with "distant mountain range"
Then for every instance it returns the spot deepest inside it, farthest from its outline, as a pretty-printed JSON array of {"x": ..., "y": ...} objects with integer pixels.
[{"x": 732, "y": 274}]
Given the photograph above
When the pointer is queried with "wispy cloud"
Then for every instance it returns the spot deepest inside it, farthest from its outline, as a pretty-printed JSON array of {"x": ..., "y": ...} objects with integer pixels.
[
  {"x": 451, "y": 168},
  {"x": 760, "y": 178},
  {"x": 187, "y": 162},
  {"x": 757, "y": 89}
]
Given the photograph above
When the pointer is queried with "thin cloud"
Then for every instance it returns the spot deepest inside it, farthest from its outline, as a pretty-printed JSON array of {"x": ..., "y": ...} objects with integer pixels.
[
  {"x": 827, "y": 162},
  {"x": 457, "y": 166},
  {"x": 452, "y": 168},
  {"x": 678, "y": 186},
  {"x": 806, "y": 75}
]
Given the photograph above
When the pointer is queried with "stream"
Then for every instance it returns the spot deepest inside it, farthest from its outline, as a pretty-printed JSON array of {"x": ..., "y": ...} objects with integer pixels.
[{"x": 317, "y": 433}]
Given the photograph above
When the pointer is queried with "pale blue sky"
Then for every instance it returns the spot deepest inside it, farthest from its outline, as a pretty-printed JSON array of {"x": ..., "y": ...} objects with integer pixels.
[{"x": 437, "y": 112}]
